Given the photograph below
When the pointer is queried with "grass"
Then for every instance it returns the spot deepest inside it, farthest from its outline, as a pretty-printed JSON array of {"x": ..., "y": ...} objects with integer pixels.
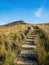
[
  {"x": 11, "y": 40},
  {"x": 45, "y": 28},
  {"x": 13, "y": 37},
  {"x": 43, "y": 48}
]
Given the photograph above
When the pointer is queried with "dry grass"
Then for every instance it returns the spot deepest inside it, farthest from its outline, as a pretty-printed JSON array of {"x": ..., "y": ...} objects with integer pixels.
[
  {"x": 43, "y": 48},
  {"x": 11, "y": 39},
  {"x": 45, "y": 28}
]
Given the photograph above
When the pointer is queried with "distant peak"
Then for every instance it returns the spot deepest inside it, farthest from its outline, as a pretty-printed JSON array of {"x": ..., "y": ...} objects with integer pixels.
[{"x": 15, "y": 23}]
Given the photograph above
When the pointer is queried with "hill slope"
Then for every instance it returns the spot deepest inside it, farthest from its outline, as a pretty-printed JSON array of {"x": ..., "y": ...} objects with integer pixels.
[
  {"x": 45, "y": 28},
  {"x": 12, "y": 36}
]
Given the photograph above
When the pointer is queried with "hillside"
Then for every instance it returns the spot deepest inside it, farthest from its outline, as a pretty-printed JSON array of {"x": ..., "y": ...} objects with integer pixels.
[
  {"x": 11, "y": 39},
  {"x": 45, "y": 28},
  {"x": 13, "y": 36}
]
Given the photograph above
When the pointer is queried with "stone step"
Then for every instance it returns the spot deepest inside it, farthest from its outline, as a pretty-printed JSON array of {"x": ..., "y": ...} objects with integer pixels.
[
  {"x": 36, "y": 29},
  {"x": 30, "y": 39},
  {"x": 33, "y": 36},
  {"x": 28, "y": 51},
  {"x": 26, "y": 62},
  {"x": 30, "y": 42},
  {"x": 28, "y": 55},
  {"x": 34, "y": 33},
  {"x": 24, "y": 52},
  {"x": 26, "y": 46}
]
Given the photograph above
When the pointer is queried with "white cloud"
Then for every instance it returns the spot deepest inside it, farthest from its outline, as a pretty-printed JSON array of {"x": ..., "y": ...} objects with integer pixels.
[{"x": 38, "y": 13}]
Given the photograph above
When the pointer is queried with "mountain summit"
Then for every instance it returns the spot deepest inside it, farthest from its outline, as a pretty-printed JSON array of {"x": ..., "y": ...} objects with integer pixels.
[{"x": 15, "y": 23}]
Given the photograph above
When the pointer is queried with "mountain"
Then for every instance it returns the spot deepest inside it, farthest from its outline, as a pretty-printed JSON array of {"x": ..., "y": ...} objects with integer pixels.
[{"x": 15, "y": 23}]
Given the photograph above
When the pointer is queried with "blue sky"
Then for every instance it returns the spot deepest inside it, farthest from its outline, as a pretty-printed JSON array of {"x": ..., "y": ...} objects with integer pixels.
[{"x": 31, "y": 11}]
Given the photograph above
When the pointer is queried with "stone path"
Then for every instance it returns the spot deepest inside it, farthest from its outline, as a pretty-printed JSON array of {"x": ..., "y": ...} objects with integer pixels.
[{"x": 28, "y": 55}]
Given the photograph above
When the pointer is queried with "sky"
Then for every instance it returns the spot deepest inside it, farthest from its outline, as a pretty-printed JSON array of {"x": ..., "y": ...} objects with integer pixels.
[{"x": 30, "y": 11}]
